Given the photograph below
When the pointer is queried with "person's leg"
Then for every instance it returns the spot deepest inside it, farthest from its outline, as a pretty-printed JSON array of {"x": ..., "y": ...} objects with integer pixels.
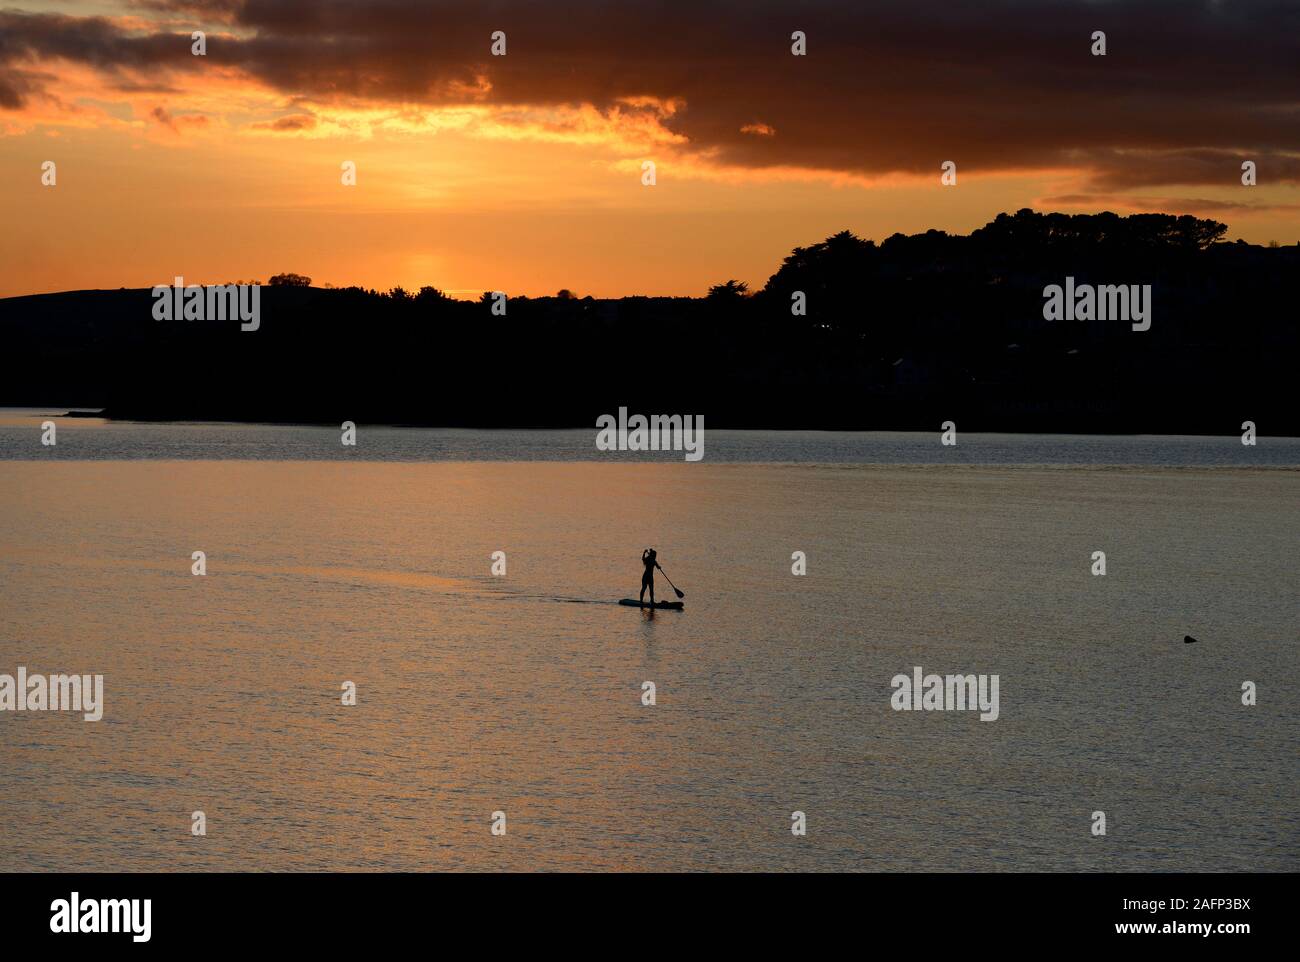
[
  {"x": 643, "y": 587},
  {"x": 652, "y": 591}
]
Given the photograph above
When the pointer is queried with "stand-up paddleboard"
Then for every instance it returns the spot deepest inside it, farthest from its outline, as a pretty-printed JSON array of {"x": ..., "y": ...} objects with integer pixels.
[{"x": 672, "y": 605}]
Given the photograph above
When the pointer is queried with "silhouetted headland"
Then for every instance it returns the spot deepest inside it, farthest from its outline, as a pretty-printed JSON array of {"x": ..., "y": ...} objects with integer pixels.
[{"x": 903, "y": 334}]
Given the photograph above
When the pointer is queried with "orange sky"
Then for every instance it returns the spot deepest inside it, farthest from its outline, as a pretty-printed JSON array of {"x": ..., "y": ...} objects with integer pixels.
[{"x": 170, "y": 165}]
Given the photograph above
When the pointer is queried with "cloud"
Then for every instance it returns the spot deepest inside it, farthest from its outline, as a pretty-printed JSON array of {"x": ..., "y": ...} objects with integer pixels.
[
  {"x": 210, "y": 10},
  {"x": 16, "y": 86},
  {"x": 1188, "y": 89},
  {"x": 173, "y": 123},
  {"x": 1172, "y": 205},
  {"x": 290, "y": 124}
]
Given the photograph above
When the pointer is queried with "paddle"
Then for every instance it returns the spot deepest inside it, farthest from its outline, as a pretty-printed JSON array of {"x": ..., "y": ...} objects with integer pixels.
[{"x": 680, "y": 593}]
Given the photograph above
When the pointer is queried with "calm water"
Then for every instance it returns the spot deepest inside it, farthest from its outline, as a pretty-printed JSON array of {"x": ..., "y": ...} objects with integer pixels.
[
  {"x": 478, "y": 693},
  {"x": 93, "y": 439}
]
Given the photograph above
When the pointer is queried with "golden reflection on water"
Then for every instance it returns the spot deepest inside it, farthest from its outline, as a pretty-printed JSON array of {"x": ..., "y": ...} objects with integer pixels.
[{"x": 523, "y": 693}]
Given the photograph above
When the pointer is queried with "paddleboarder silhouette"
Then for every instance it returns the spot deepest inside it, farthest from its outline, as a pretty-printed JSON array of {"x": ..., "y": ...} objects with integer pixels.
[{"x": 651, "y": 561}]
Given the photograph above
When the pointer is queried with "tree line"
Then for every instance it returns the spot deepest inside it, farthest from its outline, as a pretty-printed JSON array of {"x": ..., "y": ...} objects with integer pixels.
[{"x": 847, "y": 333}]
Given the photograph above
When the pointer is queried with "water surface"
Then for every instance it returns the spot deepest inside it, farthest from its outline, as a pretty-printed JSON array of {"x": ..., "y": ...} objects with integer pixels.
[
  {"x": 523, "y": 693},
  {"x": 93, "y": 438}
]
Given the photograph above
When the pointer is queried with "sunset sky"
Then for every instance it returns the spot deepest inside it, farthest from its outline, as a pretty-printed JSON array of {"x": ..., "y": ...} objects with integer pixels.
[{"x": 522, "y": 173}]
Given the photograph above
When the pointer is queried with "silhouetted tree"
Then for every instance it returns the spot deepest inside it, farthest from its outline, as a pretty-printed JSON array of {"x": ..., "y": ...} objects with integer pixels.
[
  {"x": 289, "y": 280},
  {"x": 732, "y": 290},
  {"x": 901, "y": 334}
]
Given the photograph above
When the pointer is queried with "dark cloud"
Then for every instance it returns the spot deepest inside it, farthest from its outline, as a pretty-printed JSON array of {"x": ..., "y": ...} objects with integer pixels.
[
  {"x": 289, "y": 124},
  {"x": 1123, "y": 170},
  {"x": 135, "y": 87},
  {"x": 174, "y": 123},
  {"x": 1187, "y": 90},
  {"x": 207, "y": 9},
  {"x": 1171, "y": 205},
  {"x": 17, "y": 85},
  {"x": 95, "y": 41}
]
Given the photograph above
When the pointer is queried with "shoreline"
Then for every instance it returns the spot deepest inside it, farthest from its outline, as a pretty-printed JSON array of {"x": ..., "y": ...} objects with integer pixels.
[{"x": 106, "y": 415}]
